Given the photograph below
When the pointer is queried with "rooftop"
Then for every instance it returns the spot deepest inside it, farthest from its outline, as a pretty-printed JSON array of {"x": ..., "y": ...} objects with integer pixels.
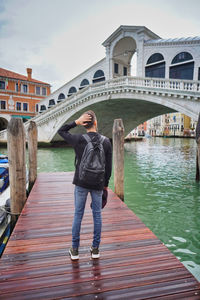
[
  {"x": 128, "y": 28},
  {"x": 173, "y": 40},
  {"x": 9, "y": 74}
]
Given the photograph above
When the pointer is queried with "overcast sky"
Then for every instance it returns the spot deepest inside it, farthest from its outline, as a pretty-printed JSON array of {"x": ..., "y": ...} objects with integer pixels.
[{"x": 59, "y": 39}]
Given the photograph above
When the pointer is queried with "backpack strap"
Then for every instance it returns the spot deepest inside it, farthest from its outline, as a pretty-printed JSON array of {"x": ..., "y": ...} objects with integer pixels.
[
  {"x": 102, "y": 138},
  {"x": 87, "y": 138}
]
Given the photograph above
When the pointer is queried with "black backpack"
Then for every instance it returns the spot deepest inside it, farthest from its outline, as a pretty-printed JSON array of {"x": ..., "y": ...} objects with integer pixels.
[{"x": 92, "y": 165}]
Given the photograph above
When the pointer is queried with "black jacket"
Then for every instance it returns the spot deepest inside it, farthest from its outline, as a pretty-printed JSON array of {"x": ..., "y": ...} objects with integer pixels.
[{"x": 78, "y": 142}]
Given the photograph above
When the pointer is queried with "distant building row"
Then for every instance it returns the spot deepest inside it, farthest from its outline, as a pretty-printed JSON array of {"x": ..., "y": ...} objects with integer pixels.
[{"x": 173, "y": 124}]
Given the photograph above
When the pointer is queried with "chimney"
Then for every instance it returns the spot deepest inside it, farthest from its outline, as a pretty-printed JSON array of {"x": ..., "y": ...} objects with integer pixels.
[{"x": 29, "y": 73}]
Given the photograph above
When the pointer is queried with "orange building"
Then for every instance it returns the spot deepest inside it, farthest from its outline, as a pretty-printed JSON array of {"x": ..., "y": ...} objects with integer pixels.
[
  {"x": 142, "y": 128},
  {"x": 20, "y": 95}
]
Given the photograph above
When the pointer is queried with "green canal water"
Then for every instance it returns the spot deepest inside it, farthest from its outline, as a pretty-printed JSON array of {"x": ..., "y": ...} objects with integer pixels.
[{"x": 160, "y": 188}]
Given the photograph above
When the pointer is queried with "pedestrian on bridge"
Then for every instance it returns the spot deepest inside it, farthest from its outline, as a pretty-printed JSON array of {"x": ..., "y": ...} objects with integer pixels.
[{"x": 87, "y": 180}]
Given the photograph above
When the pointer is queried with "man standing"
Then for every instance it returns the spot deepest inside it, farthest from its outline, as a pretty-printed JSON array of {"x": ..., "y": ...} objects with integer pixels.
[{"x": 79, "y": 142}]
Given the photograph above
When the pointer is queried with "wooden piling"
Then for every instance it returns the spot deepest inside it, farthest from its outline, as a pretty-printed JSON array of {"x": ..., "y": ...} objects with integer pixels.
[
  {"x": 32, "y": 149},
  {"x": 118, "y": 156},
  {"x": 17, "y": 166},
  {"x": 198, "y": 150}
]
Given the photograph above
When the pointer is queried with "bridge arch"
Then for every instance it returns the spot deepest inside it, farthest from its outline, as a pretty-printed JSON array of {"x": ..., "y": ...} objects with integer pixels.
[
  {"x": 133, "y": 109},
  {"x": 134, "y": 99}
]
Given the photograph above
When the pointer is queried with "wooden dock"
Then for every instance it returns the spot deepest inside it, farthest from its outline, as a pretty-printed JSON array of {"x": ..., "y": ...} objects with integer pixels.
[{"x": 134, "y": 264}]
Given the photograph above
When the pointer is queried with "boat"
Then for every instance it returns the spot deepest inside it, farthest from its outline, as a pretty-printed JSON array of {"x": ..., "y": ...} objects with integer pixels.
[
  {"x": 5, "y": 213},
  {"x": 5, "y": 217}
]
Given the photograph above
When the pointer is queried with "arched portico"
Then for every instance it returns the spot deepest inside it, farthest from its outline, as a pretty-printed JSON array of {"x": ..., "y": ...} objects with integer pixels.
[{"x": 122, "y": 55}]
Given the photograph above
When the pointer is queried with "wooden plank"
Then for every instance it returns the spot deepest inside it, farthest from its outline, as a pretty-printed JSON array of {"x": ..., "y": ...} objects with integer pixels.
[{"x": 134, "y": 264}]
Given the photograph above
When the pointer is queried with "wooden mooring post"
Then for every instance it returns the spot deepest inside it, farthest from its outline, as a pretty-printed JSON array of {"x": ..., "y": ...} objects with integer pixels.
[
  {"x": 118, "y": 157},
  {"x": 198, "y": 150},
  {"x": 17, "y": 166},
  {"x": 32, "y": 149}
]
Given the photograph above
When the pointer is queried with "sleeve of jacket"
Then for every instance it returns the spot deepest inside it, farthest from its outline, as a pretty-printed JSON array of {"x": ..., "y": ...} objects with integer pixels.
[
  {"x": 71, "y": 139},
  {"x": 108, "y": 157}
]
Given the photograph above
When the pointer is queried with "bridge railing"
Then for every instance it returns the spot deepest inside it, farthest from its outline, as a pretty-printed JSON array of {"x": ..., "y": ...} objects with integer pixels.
[
  {"x": 161, "y": 83},
  {"x": 138, "y": 82}
]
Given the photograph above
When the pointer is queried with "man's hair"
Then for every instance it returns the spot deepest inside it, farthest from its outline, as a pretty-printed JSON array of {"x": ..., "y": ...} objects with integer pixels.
[{"x": 90, "y": 124}]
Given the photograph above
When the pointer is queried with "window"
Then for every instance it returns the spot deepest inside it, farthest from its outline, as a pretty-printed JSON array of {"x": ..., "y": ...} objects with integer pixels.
[
  {"x": 3, "y": 104},
  {"x": 44, "y": 91},
  {"x": 25, "y": 88},
  {"x": 61, "y": 96},
  {"x": 51, "y": 102},
  {"x": 17, "y": 87},
  {"x": 2, "y": 85},
  {"x": 36, "y": 107},
  {"x": 18, "y": 105},
  {"x": 72, "y": 90},
  {"x": 98, "y": 76},
  {"x": 155, "y": 58},
  {"x": 84, "y": 82},
  {"x": 184, "y": 69},
  {"x": 42, "y": 107},
  {"x": 37, "y": 90},
  {"x": 116, "y": 68},
  {"x": 157, "y": 70},
  {"x": 174, "y": 118},
  {"x": 183, "y": 56},
  {"x": 25, "y": 106},
  {"x": 199, "y": 74},
  {"x": 125, "y": 71}
]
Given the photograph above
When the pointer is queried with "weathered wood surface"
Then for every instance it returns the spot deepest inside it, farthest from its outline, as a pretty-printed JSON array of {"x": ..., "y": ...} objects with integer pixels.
[
  {"x": 32, "y": 153},
  {"x": 134, "y": 264},
  {"x": 17, "y": 165},
  {"x": 118, "y": 157},
  {"x": 198, "y": 150}
]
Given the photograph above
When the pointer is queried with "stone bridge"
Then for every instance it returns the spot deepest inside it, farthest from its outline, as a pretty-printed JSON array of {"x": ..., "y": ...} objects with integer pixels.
[{"x": 133, "y": 99}]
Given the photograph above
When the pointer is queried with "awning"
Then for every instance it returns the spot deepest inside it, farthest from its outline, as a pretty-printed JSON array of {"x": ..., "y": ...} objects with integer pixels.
[{"x": 23, "y": 117}]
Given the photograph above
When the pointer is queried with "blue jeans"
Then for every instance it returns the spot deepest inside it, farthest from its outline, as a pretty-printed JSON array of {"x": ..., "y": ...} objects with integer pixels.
[{"x": 80, "y": 196}]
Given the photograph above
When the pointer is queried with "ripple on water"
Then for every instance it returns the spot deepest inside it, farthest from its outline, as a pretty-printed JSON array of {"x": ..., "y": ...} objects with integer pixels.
[{"x": 160, "y": 180}]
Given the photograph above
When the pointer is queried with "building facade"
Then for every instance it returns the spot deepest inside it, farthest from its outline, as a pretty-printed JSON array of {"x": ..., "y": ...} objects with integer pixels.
[
  {"x": 20, "y": 95},
  {"x": 173, "y": 124}
]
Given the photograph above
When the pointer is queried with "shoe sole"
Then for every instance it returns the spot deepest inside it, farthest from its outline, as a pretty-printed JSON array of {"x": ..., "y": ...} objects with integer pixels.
[
  {"x": 73, "y": 257},
  {"x": 95, "y": 255}
]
